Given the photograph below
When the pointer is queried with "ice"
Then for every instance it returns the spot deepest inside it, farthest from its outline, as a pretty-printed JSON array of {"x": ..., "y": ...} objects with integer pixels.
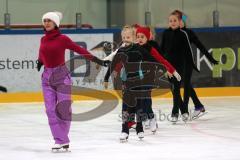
[{"x": 25, "y": 134}]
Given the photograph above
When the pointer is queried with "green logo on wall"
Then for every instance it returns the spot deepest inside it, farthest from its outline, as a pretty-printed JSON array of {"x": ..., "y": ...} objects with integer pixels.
[{"x": 227, "y": 60}]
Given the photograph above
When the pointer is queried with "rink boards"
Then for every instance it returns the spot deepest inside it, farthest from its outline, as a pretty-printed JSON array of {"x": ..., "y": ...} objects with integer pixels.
[
  {"x": 19, "y": 51},
  {"x": 112, "y": 94}
]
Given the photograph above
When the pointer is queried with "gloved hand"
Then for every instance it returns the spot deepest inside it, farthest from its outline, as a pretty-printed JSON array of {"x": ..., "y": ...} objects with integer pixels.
[
  {"x": 177, "y": 75},
  {"x": 106, "y": 63},
  {"x": 39, "y": 65},
  {"x": 101, "y": 62}
]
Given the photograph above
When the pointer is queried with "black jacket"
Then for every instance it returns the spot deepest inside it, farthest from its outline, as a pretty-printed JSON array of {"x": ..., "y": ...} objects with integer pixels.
[
  {"x": 147, "y": 57},
  {"x": 194, "y": 40},
  {"x": 137, "y": 53},
  {"x": 177, "y": 50},
  {"x": 130, "y": 55}
]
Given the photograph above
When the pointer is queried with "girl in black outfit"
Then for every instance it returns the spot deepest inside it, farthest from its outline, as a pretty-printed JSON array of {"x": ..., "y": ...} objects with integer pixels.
[
  {"x": 129, "y": 59},
  {"x": 134, "y": 61},
  {"x": 154, "y": 59},
  {"x": 175, "y": 45},
  {"x": 199, "y": 107},
  {"x": 127, "y": 62}
]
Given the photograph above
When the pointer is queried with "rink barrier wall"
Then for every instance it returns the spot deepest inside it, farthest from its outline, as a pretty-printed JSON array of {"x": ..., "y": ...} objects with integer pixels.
[
  {"x": 37, "y": 96},
  {"x": 112, "y": 30}
]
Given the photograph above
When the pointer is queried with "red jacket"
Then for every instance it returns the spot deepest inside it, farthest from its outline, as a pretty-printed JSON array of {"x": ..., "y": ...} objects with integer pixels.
[
  {"x": 162, "y": 60},
  {"x": 53, "y": 46}
]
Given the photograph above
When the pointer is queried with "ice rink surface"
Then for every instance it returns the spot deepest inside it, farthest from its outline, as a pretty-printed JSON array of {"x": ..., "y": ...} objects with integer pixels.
[{"x": 25, "y": 134}]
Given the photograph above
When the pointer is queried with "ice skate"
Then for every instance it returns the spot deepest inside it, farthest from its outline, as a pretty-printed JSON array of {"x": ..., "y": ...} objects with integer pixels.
[
  {"x": 139, "y": 130},
  {"x": 123, "y": 137},
  {"x": 146, "y": 124},
  {"x": 185, "y": 117},
  {"x": 198, "y": 112},
  {"x": 153, "y": 125},
  {"x": 140, "y": 135},
  {"x": 60, "y": 148},
  {"x": 174, "y": 120}
]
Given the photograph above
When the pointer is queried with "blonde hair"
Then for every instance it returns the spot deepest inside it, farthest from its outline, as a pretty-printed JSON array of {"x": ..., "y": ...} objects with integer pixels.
[
  {"x": 132, "y": 31},
  {"x": 129, "y": 28}
]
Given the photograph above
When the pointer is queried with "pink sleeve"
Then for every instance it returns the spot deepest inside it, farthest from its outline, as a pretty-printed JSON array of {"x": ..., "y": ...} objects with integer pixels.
[
  {"x": 162, "y": 60},
  {"x": 76, "y": 48}
]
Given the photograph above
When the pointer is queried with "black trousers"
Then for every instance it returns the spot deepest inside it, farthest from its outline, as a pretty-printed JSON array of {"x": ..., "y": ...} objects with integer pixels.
[
  {"x": 195, "y": 98},
  {"x": 146, "y": 103},
  {"x": 178, "y": 102},
  {"x": 132, "y": 107},
  {"x": 147, "y": 108},
  {"x": 177, "y": 99}
]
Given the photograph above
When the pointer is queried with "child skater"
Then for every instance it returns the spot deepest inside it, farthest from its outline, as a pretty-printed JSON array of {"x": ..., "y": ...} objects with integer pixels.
[
  {"x": 145, "y": 40},
  {"x": 175, "y": 45},
  {"x": 199, "y": 107},
  {"x": 128, "y": 36},
  {"x": 130, "y": 54},
  {"x": 137, "y": 55},
  {"x": 56, "y": 80}
]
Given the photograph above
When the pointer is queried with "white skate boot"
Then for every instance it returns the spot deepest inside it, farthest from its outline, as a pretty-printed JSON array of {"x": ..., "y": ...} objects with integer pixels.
[
  {"x": 60, "y": 148},
  {"x": 123, "y": 137},
  {"x": 174, "y": 120},
  {"x": 185, "y": 117},
  {"x": 140, "y": 135},
  {"x": 198, "y": 112},
  {"x": 146, "y": 124},
  {"x": 153, "y": 125}
]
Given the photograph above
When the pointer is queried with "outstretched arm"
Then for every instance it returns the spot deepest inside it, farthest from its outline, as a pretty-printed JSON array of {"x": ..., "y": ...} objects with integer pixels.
[
  {"x": 110, "y": 56},
  {"x": 171, "y": 70},
  {"x": 162, "y": 60},
  {"x": 76, "y": 48},
  {"x": 194, "y": 39}
]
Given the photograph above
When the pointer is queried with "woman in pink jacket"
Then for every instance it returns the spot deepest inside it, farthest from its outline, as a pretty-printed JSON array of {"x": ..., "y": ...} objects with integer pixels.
[{"x": 56, "y": 80}]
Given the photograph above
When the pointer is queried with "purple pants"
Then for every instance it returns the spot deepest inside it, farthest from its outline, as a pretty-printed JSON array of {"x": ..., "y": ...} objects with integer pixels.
[{"x": 56, "y": 86}]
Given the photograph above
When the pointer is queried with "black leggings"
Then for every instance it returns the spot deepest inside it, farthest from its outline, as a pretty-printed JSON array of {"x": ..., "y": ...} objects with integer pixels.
[
  {"x": 133, "y": 106},
  {"x": 178, "y": 102},
  {"x": 128, "y": 115}
]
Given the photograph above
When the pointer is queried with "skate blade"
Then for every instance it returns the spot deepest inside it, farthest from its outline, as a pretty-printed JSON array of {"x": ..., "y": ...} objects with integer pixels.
[
  {"x": 147, "y": 127},
  {"x": 174, "y": 122},
  {"x": 154, "y": 131},
  {"x": 123, "y": 140},
  {"x": 141, "y": 138},
  {"x": 200, "y": 115},
  {"x": 62, "y": 150}
]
